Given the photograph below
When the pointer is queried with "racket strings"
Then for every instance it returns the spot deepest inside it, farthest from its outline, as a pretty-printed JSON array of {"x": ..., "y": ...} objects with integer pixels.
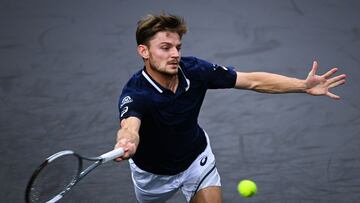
[{"x": 54, "y": 177}]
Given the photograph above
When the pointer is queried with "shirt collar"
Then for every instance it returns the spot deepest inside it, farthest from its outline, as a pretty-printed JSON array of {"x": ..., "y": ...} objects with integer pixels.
[{"x": 159, "y": 88}]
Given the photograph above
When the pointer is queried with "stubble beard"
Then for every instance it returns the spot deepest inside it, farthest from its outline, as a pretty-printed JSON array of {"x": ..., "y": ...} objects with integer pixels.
[{"x": 156, "y": 68}]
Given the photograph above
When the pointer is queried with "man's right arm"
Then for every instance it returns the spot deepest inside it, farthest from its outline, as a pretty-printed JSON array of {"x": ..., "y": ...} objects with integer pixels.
[{"x": 128, "y": 137}]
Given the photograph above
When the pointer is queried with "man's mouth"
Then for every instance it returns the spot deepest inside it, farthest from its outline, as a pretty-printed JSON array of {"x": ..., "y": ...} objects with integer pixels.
[{"x": 175, "y": 63}]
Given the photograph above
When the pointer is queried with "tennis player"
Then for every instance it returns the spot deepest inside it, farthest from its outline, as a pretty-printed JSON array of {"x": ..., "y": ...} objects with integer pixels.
[{"x": 159, "y": 108}]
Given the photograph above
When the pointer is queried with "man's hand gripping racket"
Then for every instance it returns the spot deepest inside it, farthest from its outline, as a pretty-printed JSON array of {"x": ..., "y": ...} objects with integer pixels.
[{"x": 60, "y": 172}]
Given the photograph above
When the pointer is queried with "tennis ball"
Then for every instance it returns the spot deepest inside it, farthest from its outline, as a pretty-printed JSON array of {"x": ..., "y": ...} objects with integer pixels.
[{"x": 247, "y": 188}]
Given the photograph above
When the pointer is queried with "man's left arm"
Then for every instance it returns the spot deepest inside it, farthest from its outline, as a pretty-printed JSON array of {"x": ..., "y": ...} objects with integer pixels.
[{"x": 274, "y": 83}]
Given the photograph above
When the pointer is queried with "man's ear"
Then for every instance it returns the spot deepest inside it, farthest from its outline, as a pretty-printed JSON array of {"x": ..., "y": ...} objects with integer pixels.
[{"x": 143, "y": 51}]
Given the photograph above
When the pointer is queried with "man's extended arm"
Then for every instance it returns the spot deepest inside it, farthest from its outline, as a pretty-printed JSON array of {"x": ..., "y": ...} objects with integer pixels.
[
  {"x": 274, "y": 83},
  {"x": 128, "y": 137}
]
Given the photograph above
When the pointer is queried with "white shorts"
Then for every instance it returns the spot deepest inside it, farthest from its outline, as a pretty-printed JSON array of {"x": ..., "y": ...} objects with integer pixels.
[{"x": 152, "y": 188}]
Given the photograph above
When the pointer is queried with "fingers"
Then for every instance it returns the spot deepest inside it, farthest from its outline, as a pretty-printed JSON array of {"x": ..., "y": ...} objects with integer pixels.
[
  {"x": 129, "y": 149},
  {"x": 333, "y": 96},
  {"x": 337, "y": 80},
  {"x": 314, "y": 69},
  {"x": 340, "y": 82},
  {"x": 124, "y": 156},
  {"x": 120, "y": 158},
  {"x": 330, "y": 81},
  {"x": 333, "y": 82},
  {"x": 330, "y": 73}
]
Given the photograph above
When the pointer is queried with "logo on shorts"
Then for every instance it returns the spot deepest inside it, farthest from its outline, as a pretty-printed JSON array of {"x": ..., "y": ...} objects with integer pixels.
[{"x": 203, "y": 160}]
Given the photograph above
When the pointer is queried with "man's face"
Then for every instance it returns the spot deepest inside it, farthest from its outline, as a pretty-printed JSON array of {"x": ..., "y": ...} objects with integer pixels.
[{"x": 164, "y": 52}]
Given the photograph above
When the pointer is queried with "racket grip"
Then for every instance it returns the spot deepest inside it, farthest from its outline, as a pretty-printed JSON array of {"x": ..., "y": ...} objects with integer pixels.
[{"x": 112, "y": 154}]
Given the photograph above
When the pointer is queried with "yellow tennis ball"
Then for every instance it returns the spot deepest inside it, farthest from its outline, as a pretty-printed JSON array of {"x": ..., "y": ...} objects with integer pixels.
[{"x": 247, "y": 188}]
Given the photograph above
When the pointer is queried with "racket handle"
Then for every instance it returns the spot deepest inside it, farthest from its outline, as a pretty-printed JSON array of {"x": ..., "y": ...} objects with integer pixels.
[{"x": 112, "y": 154}]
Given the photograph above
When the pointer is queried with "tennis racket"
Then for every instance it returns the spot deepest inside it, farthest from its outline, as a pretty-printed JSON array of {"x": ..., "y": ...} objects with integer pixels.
[{"x": 60, "y": 172}]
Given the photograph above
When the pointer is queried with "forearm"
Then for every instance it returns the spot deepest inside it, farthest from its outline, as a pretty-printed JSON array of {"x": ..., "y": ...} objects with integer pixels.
[
  {"x": 269, "y": 83},
  {"x": 129, "y": 130},
  {"x": 125, "y": 135},
  {"x": 128, "y": 136}
]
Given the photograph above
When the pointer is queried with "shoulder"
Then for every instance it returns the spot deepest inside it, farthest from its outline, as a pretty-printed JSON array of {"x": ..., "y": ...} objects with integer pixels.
[
  {"x": 193, "y": 66},
  {"x": 189, "y": 62},
  {"x": 212, "y": 75},
  {"x": 135, "y": 87},
  {"x": 133, "y": 98},
  {"x": 135, "y": 81}
]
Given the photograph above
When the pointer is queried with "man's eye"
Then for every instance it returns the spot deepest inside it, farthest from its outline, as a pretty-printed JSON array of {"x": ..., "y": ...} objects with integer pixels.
[{"x": 165, "y": 48}]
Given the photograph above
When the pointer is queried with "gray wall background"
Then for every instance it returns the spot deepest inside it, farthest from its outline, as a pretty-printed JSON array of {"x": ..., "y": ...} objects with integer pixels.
[{"x": 63, "y": 64}]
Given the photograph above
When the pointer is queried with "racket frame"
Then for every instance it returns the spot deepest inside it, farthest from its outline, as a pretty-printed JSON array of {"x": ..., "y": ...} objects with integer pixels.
[{"x": 80, "y": 172}]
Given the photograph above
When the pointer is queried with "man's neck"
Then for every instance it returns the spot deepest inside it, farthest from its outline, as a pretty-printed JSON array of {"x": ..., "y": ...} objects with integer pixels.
[{"x": 169, "y": 82}]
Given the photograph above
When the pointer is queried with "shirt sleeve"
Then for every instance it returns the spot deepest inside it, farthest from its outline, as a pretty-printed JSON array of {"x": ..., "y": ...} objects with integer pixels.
[
  {"x": 217, "y": 76},
  {"x": 130, "y": 105}
]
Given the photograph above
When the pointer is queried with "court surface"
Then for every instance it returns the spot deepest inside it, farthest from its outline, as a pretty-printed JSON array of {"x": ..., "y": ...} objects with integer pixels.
[{"x": 63, "y": 64}]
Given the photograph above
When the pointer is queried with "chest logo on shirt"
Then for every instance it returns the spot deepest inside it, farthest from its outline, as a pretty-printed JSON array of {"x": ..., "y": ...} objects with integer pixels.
[{"x": 126, "y": 100}]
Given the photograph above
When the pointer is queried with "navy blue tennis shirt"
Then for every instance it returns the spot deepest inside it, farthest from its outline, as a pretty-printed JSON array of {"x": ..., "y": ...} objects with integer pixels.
[{"x": 170, "y": 136}]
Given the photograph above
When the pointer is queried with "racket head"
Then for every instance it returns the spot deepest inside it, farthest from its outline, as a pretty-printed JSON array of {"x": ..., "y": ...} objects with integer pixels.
[{"x": 54, "y": 177}]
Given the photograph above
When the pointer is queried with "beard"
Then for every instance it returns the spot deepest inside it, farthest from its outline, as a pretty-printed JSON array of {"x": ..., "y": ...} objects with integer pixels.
[{"x": 162, "y": 71}]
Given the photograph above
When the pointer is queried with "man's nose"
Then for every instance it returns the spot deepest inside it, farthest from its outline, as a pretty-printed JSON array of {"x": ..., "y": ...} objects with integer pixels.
[{"x": 175, "y": 53}]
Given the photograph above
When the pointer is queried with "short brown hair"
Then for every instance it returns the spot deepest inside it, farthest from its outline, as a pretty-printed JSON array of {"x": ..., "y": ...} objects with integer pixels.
[{"x": 152, "y": 24}]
